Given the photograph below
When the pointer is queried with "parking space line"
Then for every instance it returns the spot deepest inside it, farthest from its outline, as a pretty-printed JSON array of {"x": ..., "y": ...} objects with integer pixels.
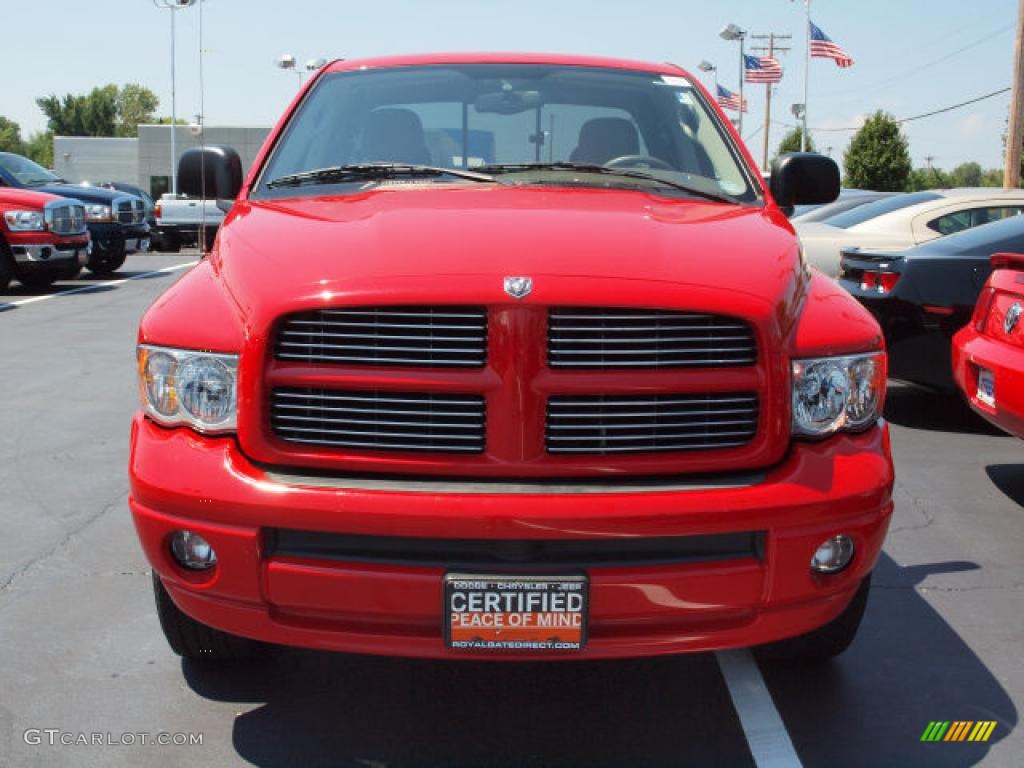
[
  {"x": 766, "y": 734},
  {"x": 95, "y": 286}
]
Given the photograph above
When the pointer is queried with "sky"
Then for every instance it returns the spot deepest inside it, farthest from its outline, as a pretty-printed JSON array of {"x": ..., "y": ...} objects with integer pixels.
[{"x": 912, "y": 56}]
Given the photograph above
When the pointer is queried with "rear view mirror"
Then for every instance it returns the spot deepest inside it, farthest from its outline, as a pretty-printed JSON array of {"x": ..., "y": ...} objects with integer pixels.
[
  {"x": 804, "y": 178},
  {"x": 507, "y": 102},
  {"x": 209, "y": 172}
]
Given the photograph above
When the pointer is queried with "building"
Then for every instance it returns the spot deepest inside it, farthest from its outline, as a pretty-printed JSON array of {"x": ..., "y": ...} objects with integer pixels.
[{"x": 146, "y": 160}]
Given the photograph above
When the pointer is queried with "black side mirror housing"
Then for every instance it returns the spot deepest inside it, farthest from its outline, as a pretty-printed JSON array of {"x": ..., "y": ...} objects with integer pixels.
[
  {"x": 804, "y": 178},
  {"x": 209, "y": 172}
]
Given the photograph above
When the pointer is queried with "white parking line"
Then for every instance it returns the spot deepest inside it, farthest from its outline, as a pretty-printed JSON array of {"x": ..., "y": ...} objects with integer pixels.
[
  {"x": 766, "y": 734},
  {"x": 94, "y": 286}
]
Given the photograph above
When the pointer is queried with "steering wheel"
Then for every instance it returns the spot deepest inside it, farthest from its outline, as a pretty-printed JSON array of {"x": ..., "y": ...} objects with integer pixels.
[{"x": 638, "y": 161}]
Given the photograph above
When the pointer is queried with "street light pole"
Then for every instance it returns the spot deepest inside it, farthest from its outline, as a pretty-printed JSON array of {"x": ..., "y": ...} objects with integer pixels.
[
  {"x": 287, "y": 61},
  {"x": 807, "y": 69},
  {"x": 172, "y": 6},
  {"x": 732, "y": 32},
  {"x": 707, "y": 66}
]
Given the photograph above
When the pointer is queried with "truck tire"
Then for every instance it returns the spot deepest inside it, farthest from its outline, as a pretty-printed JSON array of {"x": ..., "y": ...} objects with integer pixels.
[
  {"x": 209, "y": 238},
  {"x": 168, "y": 242},
  {"x": 193, "y": 640},
  {"x": 105, "y": 259},
  {"x": 6, "y": 266},
  {"x": 37, "y": 281},
  {"x": 830, "y": 640}
]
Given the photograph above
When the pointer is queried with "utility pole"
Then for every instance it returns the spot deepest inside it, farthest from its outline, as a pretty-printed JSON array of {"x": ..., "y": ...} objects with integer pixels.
[
  {"x": 1015, "y": 130},
  {"x": 771, "y": 50}
]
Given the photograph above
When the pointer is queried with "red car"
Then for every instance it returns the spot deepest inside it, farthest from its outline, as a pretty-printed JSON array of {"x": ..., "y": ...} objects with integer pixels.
[
  {"x": 988, "y": 353},
  {"x": 508, "y": 356},
  {"x": 43, "y": 237}
]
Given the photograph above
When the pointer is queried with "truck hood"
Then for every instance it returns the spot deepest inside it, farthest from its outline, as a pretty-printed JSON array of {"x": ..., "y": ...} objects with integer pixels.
[
  {"x": 456, "y": 244},
  {"x": 95, "y": 195},
  {"x": 29, "y": 198}
]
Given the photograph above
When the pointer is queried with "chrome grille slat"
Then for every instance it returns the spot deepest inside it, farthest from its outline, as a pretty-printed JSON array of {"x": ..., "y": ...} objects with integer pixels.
[
  {"x": 591, "y": 338},
  {"x": 595, "y": 424},
  {"x": 430, "y": 337},
  {"x": 369, "y": 420}
]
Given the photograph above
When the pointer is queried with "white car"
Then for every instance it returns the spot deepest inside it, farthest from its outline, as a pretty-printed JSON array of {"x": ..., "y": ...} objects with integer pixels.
[{"x": 903, "y": 221}]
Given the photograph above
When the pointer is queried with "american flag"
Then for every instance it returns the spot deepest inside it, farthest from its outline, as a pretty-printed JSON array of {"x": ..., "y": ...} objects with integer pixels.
[
  {"x": 762, "y": 69},
  {"x": 729, "y": 100},
  {"x": 823, "y": 48}
]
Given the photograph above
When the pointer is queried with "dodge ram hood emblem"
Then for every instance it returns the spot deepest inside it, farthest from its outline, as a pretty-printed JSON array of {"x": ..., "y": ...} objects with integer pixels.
[
  {"x": 1012, "y": 315},
  {"x": 518, "y": 287}
]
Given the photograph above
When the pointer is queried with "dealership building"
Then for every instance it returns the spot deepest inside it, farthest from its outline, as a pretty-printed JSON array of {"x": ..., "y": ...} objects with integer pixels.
[{"x": 146, "y": 160}]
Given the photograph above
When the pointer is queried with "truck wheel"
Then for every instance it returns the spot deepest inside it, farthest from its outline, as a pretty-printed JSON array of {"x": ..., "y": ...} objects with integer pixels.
[
  {"x": 193, "y": 640},
  {"x": 830, "y": 640},
  {"x": 105, "y": 259},
  {"x": 168, "y": 242},
  {"x": 6, "y": 268}
]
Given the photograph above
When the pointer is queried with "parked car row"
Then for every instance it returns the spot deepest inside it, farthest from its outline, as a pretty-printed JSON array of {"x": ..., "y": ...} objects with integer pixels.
[
  {"x": 922, "y": 263},
  {"x": 115, "y": 222}
]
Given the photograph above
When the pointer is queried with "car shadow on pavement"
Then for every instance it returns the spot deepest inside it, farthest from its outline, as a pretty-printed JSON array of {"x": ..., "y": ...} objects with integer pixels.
[
  {"x": 906, "y": 668},
  {"x": 919, "y": 408},
  {"x": 869, "y": 707},
  {"x": 1008, "y": 478}
]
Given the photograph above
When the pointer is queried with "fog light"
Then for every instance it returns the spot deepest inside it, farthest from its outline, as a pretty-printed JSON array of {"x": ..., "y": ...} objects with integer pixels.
[
  {"x": 833, "y": 554},
  {"x": 192, "y": 551}
]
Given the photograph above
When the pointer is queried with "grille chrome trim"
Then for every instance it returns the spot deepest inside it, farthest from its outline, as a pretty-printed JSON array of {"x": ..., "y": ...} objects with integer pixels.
[
  {"x": 592, "y": 424},
  {"x": 379, "y": 421},
  {"x": 448, "y": 337},
  {"x": 627, "y": 338}
]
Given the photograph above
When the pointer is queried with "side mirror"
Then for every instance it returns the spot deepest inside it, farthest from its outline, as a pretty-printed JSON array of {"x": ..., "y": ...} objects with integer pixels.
[
  {"x": 804, "y": 178},
  {"x": 210, "y": 172}
]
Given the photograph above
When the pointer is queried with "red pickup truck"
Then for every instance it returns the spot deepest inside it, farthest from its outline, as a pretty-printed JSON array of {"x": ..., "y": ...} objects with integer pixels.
[
  {"x": 508, "y": 356},
  {"x": 43, "y": 237}
]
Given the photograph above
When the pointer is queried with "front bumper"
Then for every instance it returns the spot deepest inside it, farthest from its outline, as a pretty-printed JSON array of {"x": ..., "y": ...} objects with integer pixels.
[
  {"x": 114, "y": 237},
  {"x": 49, "y": 253},
  {"x": 183, "y": 480},
  {"x": 972, "y": 351}
]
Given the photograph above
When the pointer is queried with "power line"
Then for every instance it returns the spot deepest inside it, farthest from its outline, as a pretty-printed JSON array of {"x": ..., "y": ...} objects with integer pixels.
[{"x": 926, "y": 114}]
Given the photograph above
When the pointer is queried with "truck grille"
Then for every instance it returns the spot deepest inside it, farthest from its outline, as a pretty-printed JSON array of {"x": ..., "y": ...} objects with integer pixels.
[
  {"x": 65, "y": 218},
  {"x": 129, "y": 210},
  {"x": 646, "y": 338},
  {"x": 435, "y": 337},
  {"x": 635, "y": 423},
  {"x": 379, "y": 421}
]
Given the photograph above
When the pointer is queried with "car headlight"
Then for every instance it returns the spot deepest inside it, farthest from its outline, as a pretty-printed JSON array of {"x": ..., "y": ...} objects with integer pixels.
[
  {"x": 834, "y": 393},
  {"x": 188, "y": 387},
  {"x": 25, "y": 221},
  {"x": 98, "y": 213}
]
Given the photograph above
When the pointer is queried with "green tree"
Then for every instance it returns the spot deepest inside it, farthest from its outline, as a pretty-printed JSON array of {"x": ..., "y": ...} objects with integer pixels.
[
  {"x": 10, "y": 137},
  {"x": 791, "y": 142},
  {"x": 135, "y": 104},
  {"x": 927, "y": 178},
  {"x": 104, "y": 111},
  {"x": 39, "y": 147},
  {"x": 993, "y": 177},
  {"x": 966, "y": 175},
  {"x": 878, "y": 157}
]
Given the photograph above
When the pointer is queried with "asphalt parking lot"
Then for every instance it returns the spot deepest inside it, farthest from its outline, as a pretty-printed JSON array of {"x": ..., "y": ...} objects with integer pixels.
[{"x": 82, "y": 652}]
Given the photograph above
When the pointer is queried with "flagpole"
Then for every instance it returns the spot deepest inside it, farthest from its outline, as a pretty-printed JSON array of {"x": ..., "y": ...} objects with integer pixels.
[
  {"x": 807, "y": 70},
  {"x": 743, "y": 72}
]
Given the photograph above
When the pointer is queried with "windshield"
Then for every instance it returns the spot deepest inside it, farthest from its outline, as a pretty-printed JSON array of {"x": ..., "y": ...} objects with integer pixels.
[
  {"x": 25, "y": 171},
  {"x": 886, "y": 205},
  {"x": 495, "y": 117}
]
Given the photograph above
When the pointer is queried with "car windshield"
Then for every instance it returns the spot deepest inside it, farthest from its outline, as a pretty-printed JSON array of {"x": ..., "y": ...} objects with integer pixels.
[
  {"x": 518, "y": 124},
  {"x": 886, "y": 205},
  {"x": 25, "y": 171}
]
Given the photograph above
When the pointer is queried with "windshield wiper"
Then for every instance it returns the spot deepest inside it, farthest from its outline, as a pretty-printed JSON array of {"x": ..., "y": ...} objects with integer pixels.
[
  {"x": 627, "y": 173},
  {"x": 363, "y": 171}
]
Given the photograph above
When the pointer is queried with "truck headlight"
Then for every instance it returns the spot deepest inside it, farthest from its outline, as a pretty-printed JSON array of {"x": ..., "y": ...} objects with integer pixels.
[
  {"x": 834, "y": 393},
  {"x": 25, "y": 221},
  {"x": 188, "y": 387},
  {"x": 98, "y": 213}
]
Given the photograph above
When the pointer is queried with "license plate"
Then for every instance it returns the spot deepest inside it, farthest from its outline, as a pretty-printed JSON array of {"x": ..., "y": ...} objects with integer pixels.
[
  {"x": 987, "y": 387},
  {"x": 515, "y": 613}
]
